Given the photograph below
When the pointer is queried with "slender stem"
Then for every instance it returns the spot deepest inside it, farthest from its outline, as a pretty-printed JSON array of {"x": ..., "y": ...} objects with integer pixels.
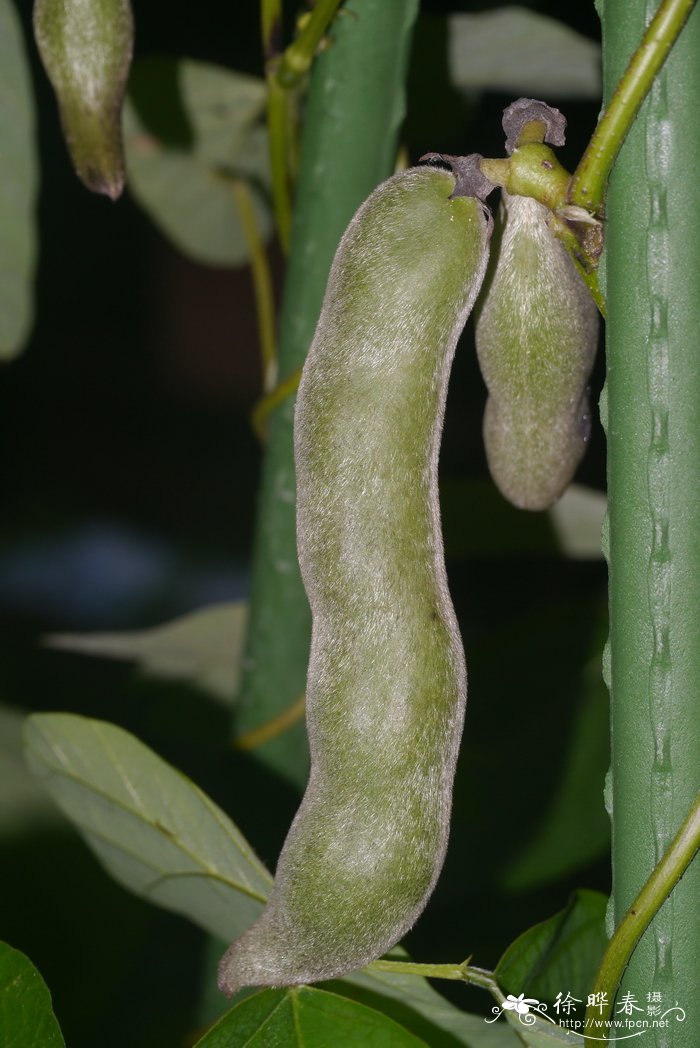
[
  {"x": 591, "y": 176},
  {"x": 279, "y": 122},
  {"x": 590, "y": 279},
  {"x": 456, "y": 972},
  {"x": 297, "y": 58},
  {"x": 262, "y": 282},
  {"x": 485, "y": 979},
  {"x": 663, "y": 879},
  {"x": 250, "y": 740},
  {"x": 425, "y": 971},
  {"x": 285, "y": 75},
  {"x": 281, "y": 130},
  {"x": 577, "y": 250},
  {"x": 268, "y": 403},
  {"x": 271, "y": 27}
]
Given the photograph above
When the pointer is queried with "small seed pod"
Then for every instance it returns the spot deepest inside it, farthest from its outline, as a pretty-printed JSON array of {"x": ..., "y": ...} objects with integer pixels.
[
  {"x": 86, "y": 48},
  {"x": 536, "y": 337},
  {"x": 387, "y": 682}
]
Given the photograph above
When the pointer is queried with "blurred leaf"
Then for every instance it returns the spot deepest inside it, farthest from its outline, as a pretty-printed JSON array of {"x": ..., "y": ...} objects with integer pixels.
[
  {"x": 308, "y": 1018},
  {"x": 577, "y": 520},
  {"x": 26, "y": 1014},
  {"x": 416, "y": 1005},
  {"x": 478, "y": 522},
  {"x": 203, "y": 648},
  {"x": 159, "y": 836},
  {"x": 18, "y": 186},
  {"x": 535, "y": 1032},
  {"x": 186, "y": 124},
  {"x": 21, "y": 798},
  {"x": 515, "y": 50},
  {"x": 575, "y": 829},
  {"x": 153, "y": 830},
  {"x": 560, "y": 955}
]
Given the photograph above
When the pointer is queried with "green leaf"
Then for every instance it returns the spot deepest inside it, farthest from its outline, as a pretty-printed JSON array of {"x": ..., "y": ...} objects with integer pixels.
[
  {"x": 414, "y": 1003},
  {"x": 542, "y": 1034},
  {"x": 26, "y": 1014},
  {"x": 22, "y": 801},
  {"x": 188, "y": 126},
  {"x": 515, "y": 50},
  {"x": 560, "y": 955},
  {"x": 203, "y": 648},
  {"x": 308, "y": 1018},
  {"x": 159, "y": 836},
  {"x": 18, "y": 186},
  {"x": 153, "y": 830}
]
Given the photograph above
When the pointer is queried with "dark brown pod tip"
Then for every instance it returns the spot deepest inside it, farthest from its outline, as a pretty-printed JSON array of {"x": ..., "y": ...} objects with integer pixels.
[
  {"x": 525, "y": 111},
  {"x": 470, "y": 179}
]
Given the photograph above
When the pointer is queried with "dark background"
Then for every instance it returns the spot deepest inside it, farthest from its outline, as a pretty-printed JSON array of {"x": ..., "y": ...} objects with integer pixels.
[{"x": 128, "y": 479}]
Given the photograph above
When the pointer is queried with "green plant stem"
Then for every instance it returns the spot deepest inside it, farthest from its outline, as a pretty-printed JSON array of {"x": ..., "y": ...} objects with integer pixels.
[
  {"x": 285, "y": 74},
  {"x": 576, "y": 246},
  {"x": 262, "y": 283},
  {"x": 271, "y": 27},
  {"x": 455, "y": 972},
  {"x": 267, "y": 404},
  {"x": 297, "y": 58},
  {"x": 651, "y": 408},
  {"x": 425, "y": 971},
  {"x": 352, "y": 116},
  {"x": 638, "y": 917},
  {"x": 591, "y": 176},
  {"x": 281, "y": 129},
  {"x": 279, "y": 724}
]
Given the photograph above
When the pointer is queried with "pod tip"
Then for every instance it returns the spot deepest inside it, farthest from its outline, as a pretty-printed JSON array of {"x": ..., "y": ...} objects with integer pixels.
[{"x": 530, "y": 110}]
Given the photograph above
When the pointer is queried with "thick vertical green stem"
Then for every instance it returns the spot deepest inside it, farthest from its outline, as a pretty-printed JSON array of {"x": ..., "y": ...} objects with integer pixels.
[
  {"x": 653, "y": 427},
  {"x": 629, "y": 930},
  {"x": 351, "y": 122}
]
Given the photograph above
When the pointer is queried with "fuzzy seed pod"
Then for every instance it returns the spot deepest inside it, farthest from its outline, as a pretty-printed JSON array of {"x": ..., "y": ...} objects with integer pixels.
[
  {"x": 86, "y": 48},
  {"x": 536, "y": 338},
  {"x": 386, "y": 685}
]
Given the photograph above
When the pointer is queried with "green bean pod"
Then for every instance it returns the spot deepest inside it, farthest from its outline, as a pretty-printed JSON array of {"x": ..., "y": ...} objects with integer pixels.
[
  {"x": 536, "y": 338},
  {"x": 386, "y": 685},
  {"x": 86, "y": 47}
]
